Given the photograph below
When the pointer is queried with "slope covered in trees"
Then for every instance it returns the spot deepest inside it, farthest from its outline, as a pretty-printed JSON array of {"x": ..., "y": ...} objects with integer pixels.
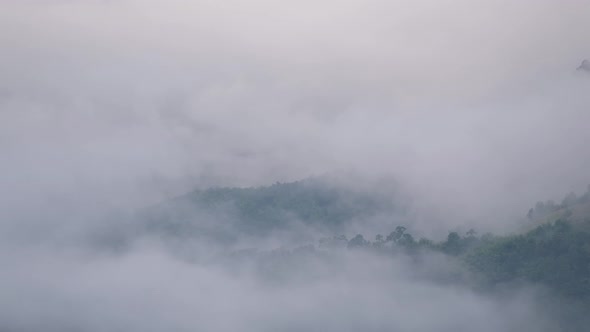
[
  {"x": 554, "y": 254},
  {"x": 575, "y": 208},
  {"x": 316, "y": 203},
  {"x": 554, "y": 257}
]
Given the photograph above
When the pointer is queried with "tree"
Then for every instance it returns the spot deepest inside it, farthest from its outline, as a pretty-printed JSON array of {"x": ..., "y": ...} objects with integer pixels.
[
  {"x": 396, "y": 235},
  {"x": 453, "y": 244},
  {"x": 334, "y": 242},
  {"x": 379, "y": 241},
  {"x": 425, "y": 243},
  {"x": 357, "y": 241},
  {"x": 407, "y": 240}
]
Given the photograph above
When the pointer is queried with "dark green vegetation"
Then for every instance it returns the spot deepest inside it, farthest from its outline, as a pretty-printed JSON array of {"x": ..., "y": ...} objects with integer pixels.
[
  {"x": 306, "y": 201},
  {"x": 316, "y": 203},
  {"x": 554, "y": 254},
  {"x": 574, "y": 208}
]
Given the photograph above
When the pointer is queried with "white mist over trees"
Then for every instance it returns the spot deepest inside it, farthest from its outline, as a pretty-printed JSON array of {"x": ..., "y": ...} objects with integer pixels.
[{"x": 140, "y": 141}]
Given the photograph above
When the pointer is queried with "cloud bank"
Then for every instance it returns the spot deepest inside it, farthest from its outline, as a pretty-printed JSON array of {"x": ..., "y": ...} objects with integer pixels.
[{"x": 109, "y": 106}]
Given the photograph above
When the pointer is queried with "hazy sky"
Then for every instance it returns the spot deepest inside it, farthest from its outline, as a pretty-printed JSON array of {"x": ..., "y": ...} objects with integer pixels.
[{"x": 475, "y": 106}]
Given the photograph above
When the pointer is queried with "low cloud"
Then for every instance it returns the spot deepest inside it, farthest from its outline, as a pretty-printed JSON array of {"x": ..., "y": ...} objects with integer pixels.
[{"x": 106, "y": 107}]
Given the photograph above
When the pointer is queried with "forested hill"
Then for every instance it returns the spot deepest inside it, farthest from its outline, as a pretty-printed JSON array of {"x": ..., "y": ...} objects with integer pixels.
[
  {"x": 573, "y": 207},
  {"x": 555, "y": 253},
  {"x": 314, "y": 202}
]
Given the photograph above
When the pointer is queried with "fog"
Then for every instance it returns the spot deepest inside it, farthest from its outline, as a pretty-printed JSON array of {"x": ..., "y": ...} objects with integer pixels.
[
  {"x": 147, "y": 290},
  {"x": 107, "y": 107}
]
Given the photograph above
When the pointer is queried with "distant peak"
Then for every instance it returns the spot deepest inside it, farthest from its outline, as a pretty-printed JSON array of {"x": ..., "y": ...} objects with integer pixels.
[{"x": 585, "y": 66}]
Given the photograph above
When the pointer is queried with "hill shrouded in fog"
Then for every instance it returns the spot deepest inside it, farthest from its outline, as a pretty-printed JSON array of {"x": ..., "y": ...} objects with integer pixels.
[
  {"x": 318, "y": 204},
  {"x": 554, "y": 252},
  {"x": 550, "y": 262}
]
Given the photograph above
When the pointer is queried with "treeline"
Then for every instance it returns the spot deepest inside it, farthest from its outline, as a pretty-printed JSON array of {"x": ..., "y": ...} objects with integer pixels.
[
  {"x": 311, "y": 201},
  {"x": 543, "y": 209},
  {"x": 401, "y": 240},
  {"x": 555, "y": 255},
  {"x": 259, "y": 211}
]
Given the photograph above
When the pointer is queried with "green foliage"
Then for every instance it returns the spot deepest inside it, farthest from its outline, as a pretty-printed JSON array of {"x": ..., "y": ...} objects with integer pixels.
[
  {"x": 453, "y": 245},
  {"x": 309, "y": 201},
  {"x": 555, "y": 255},
  {"x": 574, "y": 208},
  {"x": 334, "y": 242},
  {"x": 357, "y": 242}
]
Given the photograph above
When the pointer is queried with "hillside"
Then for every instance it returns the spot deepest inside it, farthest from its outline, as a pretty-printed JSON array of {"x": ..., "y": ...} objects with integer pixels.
[
  {"x": 554, "y": 253},
  {"x": 574, "y": 208},
  {"x": 315, "y": 203}
]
